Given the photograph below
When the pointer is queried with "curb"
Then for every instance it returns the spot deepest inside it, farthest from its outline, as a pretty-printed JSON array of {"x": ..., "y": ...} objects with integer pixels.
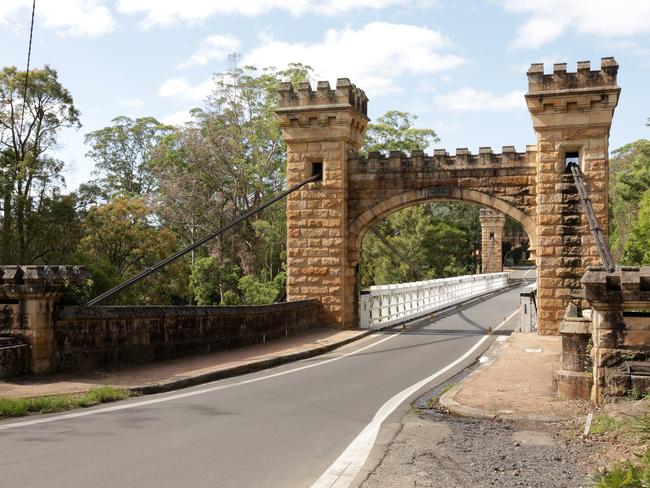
[
  {"x": 448, "y": 402},
  {"x": 242, "y": 369}
]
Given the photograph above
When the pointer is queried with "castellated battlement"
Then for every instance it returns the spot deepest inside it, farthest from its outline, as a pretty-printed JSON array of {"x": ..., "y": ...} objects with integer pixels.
[
  {"x": 418, "y": 160},
  {"x": 561, "y": 79},
  {"x": 305, "y": 97}
]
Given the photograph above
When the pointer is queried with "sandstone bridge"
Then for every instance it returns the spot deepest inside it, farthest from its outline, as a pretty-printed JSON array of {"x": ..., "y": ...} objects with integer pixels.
[
  {"x": 323, "y": 128},
  {"x": 334, "y": 198}
]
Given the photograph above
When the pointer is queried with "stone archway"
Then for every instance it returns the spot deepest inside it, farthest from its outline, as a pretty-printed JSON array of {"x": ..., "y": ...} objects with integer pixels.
[
  {"x": 323, "y": 128},
  {"x": 361, "y": 224}
]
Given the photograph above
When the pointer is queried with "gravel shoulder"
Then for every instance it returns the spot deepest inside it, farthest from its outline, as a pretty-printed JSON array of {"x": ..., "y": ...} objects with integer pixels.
[{"x": 434, "y": 449}]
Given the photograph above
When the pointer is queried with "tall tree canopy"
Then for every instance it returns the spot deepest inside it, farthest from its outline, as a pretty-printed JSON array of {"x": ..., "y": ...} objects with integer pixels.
[
  {"x": 33, "y": 111},
  {"x": 395, "y": 131},
  {"x": 228, "y": 160},
  {"x": 122, "y": 154},
  {"x": 629, "y": 181}
]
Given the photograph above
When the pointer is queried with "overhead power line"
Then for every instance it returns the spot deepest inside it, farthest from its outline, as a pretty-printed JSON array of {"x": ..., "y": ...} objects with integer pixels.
[{"x": 29, "y": 57}]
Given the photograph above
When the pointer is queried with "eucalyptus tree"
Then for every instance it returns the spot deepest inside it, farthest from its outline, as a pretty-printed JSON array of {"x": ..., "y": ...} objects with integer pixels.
[
  {"x": 122, "y": 153},
  {"x": 34, "y": 109}
]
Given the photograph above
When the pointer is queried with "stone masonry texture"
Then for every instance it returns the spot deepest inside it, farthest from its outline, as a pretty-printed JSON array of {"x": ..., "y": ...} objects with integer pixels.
[{"x": 571, "y": 112}]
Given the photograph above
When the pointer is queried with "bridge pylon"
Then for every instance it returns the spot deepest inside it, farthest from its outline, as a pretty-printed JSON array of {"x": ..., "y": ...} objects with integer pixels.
[
  {"x": 321, "y": 128},
  {"x": 572, "y": 115},
  {"x": 492, "y": 224}
]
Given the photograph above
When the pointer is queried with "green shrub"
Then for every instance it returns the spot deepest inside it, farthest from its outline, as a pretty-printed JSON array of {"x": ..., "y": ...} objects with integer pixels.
[{"x": 626, "y": 474}]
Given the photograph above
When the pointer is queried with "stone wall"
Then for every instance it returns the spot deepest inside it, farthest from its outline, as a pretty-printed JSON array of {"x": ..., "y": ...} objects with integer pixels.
[
  {"x": 98, "y": 338},
  {"x": 14, "y": 357},
  {"x": 28, "y": 300},
  {"x": 620, "y": 330},
  {"x": 606, "y": 346}
]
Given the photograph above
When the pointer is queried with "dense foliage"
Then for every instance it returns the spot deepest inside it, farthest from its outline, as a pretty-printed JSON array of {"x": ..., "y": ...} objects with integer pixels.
[{"x": 630, "y": 203}]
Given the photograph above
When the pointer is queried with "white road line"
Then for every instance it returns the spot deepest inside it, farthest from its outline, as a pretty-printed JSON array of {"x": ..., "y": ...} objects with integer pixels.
[
  {"x": 188, "y": 394},
  {"x": 343, "y": 471}
]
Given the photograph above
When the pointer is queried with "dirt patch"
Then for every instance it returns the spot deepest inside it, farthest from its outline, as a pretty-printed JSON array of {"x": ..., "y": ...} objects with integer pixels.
[{"x": 433, "y": 449}]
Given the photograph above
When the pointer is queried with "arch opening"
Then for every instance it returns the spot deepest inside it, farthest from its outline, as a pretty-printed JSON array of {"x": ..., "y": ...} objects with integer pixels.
[{"x": 369, "y": 217}]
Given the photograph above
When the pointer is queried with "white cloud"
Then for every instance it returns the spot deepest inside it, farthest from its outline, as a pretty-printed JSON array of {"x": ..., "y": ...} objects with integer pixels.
[
  {"x": 373, "y": 57},
  {"x": 472, "y": 100},
  {"x": 216, "y": 47},
  {"x": 549, "y": 19},
  {"x": 181, "y": 88},
  {"x": 166, "y": 12},
  {"x": 181, "y": 117},
  {"x": 89, "y": 18}
]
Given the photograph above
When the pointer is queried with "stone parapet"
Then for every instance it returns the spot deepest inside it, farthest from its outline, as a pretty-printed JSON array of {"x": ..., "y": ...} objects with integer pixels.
[
  {"x": 418, "y": 160},
  {"x": 23, "y": 281},
  {"x": 30, "y": 295},
  {"x": 627, "y": 288},
  {"x": 583, "y": 79},
  {"x": 344, "y": 95},
  {"x": 101, "y": 338}
]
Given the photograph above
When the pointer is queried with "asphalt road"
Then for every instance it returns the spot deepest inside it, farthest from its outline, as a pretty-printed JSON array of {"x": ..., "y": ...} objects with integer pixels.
[{"x": 282, "y": 427}]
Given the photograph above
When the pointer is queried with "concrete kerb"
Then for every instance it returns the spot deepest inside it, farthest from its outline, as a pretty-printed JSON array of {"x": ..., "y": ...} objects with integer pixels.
[
  {"x": 448, "y": 402},
  {"x": 241, "y": 369}
]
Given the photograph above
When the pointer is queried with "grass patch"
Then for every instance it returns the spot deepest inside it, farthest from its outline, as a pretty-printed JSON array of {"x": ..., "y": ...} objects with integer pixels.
[
  {"x": 433, "y": 401},
  {"x": 18, "y": 407},
  {"x": 603, "y": 424},
  {"x": 625, "y": 474}
]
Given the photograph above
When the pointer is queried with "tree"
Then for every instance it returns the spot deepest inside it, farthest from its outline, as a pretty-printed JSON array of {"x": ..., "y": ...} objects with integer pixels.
[
  {"x": 637, "y": 247},
  {"x": 33, "y": 110},
  {"x": 230, "y": 159},
  {"x": 120, "y": 241},
  {"x": 394, "y": 131},
  {"x": 629, "y": 175},
  {"x": 437, "y": 244},
  {"x": 122, "y": 154},
  {"x": 211, "y": 280}
]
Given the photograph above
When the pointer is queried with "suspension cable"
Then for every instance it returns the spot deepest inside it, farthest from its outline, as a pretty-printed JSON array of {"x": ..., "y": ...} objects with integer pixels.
[
  {"x": 200, "y": 242},
  {"x": 29, "y": 57},
  {"x": 597, "y": 231},
  {"x": 398, "y": 254}
]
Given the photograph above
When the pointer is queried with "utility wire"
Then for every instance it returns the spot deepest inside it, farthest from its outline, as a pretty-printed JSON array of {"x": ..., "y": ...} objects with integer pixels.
[
  {"x": 398, "y": 254},
  {"x": 29, "y": 57}
]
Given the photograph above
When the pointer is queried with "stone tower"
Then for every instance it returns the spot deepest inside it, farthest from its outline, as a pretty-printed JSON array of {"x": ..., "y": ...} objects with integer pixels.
[
  {"x": 572, "y": 114},
  {"x": 321, "y": 128},
  {"x": 492, "y": 224}
]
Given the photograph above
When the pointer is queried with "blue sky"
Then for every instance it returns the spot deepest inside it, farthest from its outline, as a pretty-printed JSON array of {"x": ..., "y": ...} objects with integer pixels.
[{"x": 458, "y": 65}]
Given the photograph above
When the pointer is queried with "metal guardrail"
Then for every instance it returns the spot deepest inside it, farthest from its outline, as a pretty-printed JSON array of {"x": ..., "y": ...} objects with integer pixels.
[{"x": 386, "y": 305}]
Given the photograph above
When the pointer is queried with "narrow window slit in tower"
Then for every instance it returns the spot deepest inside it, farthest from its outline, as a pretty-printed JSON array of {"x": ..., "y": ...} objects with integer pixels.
[
  {"x": 317, "y": 169},
  {"x": 571, "y": 158}
]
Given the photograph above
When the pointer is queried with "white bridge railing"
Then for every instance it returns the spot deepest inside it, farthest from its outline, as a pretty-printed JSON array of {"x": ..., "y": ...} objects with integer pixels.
[{"x": 385, "y": 305}]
